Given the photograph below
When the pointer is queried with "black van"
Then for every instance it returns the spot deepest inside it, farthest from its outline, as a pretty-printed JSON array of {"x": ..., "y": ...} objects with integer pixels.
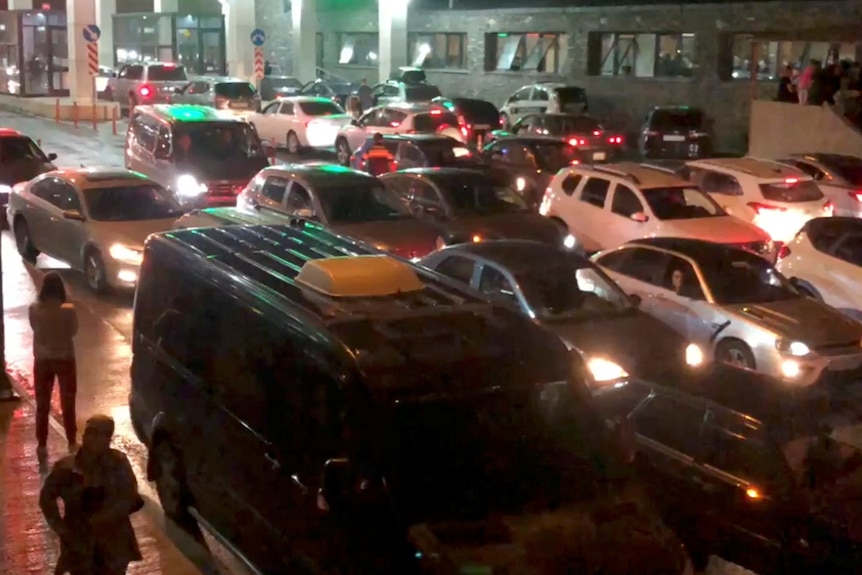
[{"x": 326, "y": 408}]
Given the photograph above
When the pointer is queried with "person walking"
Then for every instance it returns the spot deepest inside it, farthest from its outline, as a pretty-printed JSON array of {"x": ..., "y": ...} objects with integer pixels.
[
  {"x": 99, "y": 493},
  {"x": 54, "y": 322},
  {"x": 366, "y": 95}
]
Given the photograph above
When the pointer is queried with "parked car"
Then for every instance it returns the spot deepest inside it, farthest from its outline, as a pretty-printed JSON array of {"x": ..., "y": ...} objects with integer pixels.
[
  {"x": 469, "y": 206},
  {"x": 272, "y": 87},
  {"x": 824, "y": 261},
  {"x": 145, "y": 84},
  {"x": 408, "y": 75},
  {"x": 301, "y": 122},
  {"x": 573, "y": 298},
  {"x": 605, "y": 206},
  {"x": 221, "y": 93},
  {"x": 675, "y": 132},
  {"x": 347, "y": 201},
  {"x": 394, "y": 91},
  {"x": 739, "y": 309},
  {"x": 95, "y": 220},
  {"x": 21, "y": 160},
  {"x": 479, "y": 117},
  {"x": 543, "y": 98},
  {"x": 337, "y": 91},
  {"x": 421, "y": 151},
  {"x": 838, "y": 176}
]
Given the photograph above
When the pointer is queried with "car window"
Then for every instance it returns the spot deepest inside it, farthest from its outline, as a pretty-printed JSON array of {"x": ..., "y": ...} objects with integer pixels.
[
  {"x": 515, "y": 154},
  {"x": 626, "y": 202},
  {"x": 14, "y": 148},
  {"x": 235, "y": 90},
  {"x": 434, "y": 121},
  {"x": 63, "y": 196},
  {"x": 274, "y": 188},
  {"x": 135, "y": 72},
  {"x": 42, "y": 188},
  {"x": 130, "y": 202},
  {"x": 299, "y": 198},
  {"x": 144, "y": 130},
  {"x": 595, "y": 191},
  {"x": 671, "y": 423},
  {"x": 286, "y": 109},
  {"x": 680, "y": 278},
  {"x": 743, "y": 456},
  {"x": 200, "y": 87},
  {"x": 740, "y": 277},
  {"x": 166, "y": 73},
  {"x": 370, "y": 118},
  {"x": 522, "y": 94},
  {"x": 271, "y": 108},
  {"x": 570, "y": 183},
  {"x": 824, "y": 238},
  {"x": 849, "y": 249},
  {"x": 391, "y": 118},
  {"x": 645, "y": 265},
  {"x": 716, "y": 183},
  {"x": 425, "y": 196},
  {"x": 807, "y": 168},
  {"x": 163, "y": 142},
  {"x": 458, "y": 268},
  {"x": 320, "y": 108},
  {"x": 614, "y": 260},
  {"x": 493, "y": 283},
  {"x": 525, "y": 124},
  {"x": 791, "y": 190},
  {"x": 541, "y": 95},
  {"x": 409, "y": 155},
  {"x": 681, "y": 203}
]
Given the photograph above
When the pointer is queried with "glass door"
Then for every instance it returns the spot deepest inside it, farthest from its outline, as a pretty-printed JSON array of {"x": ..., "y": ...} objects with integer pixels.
[
  {"x": 212, "y": 51},
  {"x": 58, "y": 62},
  {"x": 36, "y": 56}
]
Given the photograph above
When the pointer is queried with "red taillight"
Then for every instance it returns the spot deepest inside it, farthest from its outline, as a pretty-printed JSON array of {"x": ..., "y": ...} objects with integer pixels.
[
  {"x": 856, "y": 196},
  {"x": 615, "y": 140},
  {"x": 394, "y": 124},
  {"x": 829, "y": 207},
  {"x": 464, "y": 131},
  {"x": 577, "y": 142},
  {"x": 783, "y": 252},
  {"x": 145, "y": 91},
  {"x": 597, "y": 132},
  {"x": 764, "y": 208},
  {"x": 436, "y": 112},
  {"x": 791, "y": 181}
]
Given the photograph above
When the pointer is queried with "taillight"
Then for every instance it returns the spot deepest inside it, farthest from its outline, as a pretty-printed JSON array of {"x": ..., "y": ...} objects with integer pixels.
[
  {"x": 577, "y": 142},
  {"x": 145, "y": 91},
  {"x": 829, "y": 207},
  {"x": 615, "y": 140},
  {"x": 394, "y": 124},
  {"x": 764, "y": 208},
  {"x": 856, "y": 196},
  {"x": 597, "y": 132},
  {"x": 783, "y": 252},
  {"x": 464, "y": 131}
]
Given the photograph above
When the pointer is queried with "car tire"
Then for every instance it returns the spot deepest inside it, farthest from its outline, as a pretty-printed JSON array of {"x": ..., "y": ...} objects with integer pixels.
[
  {"x": 504, "y": 121},
  {"x": 294, "y": 147},
  {"x": 23, "y": 241},
  {"x": 342, "y": 151},
  {"x": 94, "y": 272},
  {"x": 736, "y": 353},
  {"x": 170, "y": 483}
]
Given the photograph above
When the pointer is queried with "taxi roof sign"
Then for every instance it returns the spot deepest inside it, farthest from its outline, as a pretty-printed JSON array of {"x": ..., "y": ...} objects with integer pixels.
[{"x": 359, "y": 276}]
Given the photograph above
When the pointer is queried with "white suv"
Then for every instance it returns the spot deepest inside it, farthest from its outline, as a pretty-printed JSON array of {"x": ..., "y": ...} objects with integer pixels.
[
  {"x": 775, "y": 197},
  {"x": 606, "y": 206},
  {"x": 543, "y": 98}
]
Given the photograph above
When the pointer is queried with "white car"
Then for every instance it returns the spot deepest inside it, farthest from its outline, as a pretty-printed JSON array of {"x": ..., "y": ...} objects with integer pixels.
[
  {"x": 824, "y": 261},
  {"x": 543, "y": 98},
  {"x": 839, "y": 177},
  {"x": 398, "y": 119},
  {"x": 300, "y": 122},
  {"x": 606, "y": 206},
  {"x": 775, "y": 197}
]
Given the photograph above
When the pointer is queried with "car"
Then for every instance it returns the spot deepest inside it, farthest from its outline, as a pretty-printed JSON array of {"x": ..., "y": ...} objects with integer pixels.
[
  {"x": 775, "y": 197},
  {"x": 395, "y": 91},
  {"x": 529, "y": 162},
  {"x": 301, "y": 122},
  {"x": 21, "y": 160},
  {"x": 543, "y": 98},
  {"x": 272, "y": 87},
  {"x": 421, "y": 151},
  {"x": 670, "y": 132},
  {"x": 353, "y": 368},
  {"x": 345, "y": 200},
  {"x": 605, "y": 206},
  {"x": 479, "y": 117},
  {"x": 824, "y": 261},
  {"x": 336, "y": 90},
  {"x": 470, "y": 206},
  {"x": 223, "y": 152},
  {"x": 221, "y": 93},
  {"x": 748, "y": 472},
  {"x": 739, "y": 308},
  {"x": 396, "y": 119},
  {"x": 572, "y": 297},
  {"x": 94, "y": 219},
  {"x": 838, "y": 176},
  {"x": 148, "y": 84},
  {"x": 594, "y": 143},
  {"x": 408, "y": 75}
]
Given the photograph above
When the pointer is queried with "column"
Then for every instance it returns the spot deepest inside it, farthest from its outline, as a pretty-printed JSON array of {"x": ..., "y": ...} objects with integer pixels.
[
  {"x": 105, "y": 10},
  {"x": 304, "y": 39},
  {"x": 392, "y": 51},
  {"x": 239, "y": 24},
  {"x": 170, "y": 6},
  {"x": 20, "y": 4},
  {"x": 79, "y": 13},
  {"x": 165, "y": 25}
]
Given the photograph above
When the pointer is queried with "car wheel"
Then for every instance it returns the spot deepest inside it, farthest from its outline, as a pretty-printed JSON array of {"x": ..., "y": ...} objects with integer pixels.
[
  {"x": 94, "y": 272},
  {"x": 293, "y": 145},
  {"x": 735, "y": 353},
  {"x": 504, "y": 121},
  {"x": 23, "y": 242},
  {"x": 342, "y": 151},
  {"x": 170, "y": 484}
]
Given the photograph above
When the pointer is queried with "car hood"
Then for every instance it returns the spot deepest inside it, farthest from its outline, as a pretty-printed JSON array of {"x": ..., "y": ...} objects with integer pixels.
[
  {"x": 720, "y": 230},
  {"x": 18, "y": 171},
  {"x": 509, "y": 226},
  {"x": 803, "y": 319},
  {"x": 131, "y": 234},
  {"x": 406, "y": 237}
]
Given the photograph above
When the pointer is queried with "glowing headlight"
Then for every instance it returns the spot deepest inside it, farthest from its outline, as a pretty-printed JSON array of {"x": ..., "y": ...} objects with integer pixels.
[
  {"x": 520, "y": 184},
  {"x": 790, "y": 368},
  {"x": 189, "y": 187},
  {"x": 4, "y": 189},
  {"x": 604, "y": 370},
  {"x": 693, "y": 355},
  {"x": 796, "y": 348},
  {"x": 126, "y": 254},
  {"x": 569, "y": 241}
]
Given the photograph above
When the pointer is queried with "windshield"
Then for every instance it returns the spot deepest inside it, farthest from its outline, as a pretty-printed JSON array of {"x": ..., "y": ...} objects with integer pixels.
[
  {"x": 288, "y": 82},
  {"x": 447, "y": 153},
  {"x": 422, "y": 93},
  {"x": 554, "y": 156},
  {"x": 361, "y": 202},
  {"x": 743, "y": 278},
  {"x": 130, "y": 203},
  {"x": 573, "y": 289},
  {"x": 681, "y": 203},
  {"x": 433, "y": 122},
  {"x": 20, "y": 148},
  {"x": 791, "y": 190},
  {"x": 565, "y": 125},
  {"x": 321, "y": 108},
  {"x": 480, "y": 196},
  {"x": 234, "y": 90},
  {"x": 677, "y": 119},
  {"x": 848, "y": 168},
  {"x": 166, "y": 74},
  {"x": 478, "y": 111},
  {"x": 216, "y": 141}
]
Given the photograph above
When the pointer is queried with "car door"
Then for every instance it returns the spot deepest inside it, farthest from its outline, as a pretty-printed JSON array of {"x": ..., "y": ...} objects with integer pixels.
[
  {"x": 590, "y": 219},
  {"x": 640, "y": 273},
  {"x": 367, "y": 125},
  {"x": 266, "y": 120},
  {"x": 539, "y": 100},
  {"x": 69, "y": 233},
  {"x": 844, "y": 268},
  {"x": 685, "y": 308},
  {"x": 461, "y": 268},
  {"x": 497, "y": 285},
  {"x": 299, "y": 201},
  {"x": 518, "y": 104},
  {"x": 284, "y": 122},
  {"x": 134, "y": 74},
  {"x": 36, "y": 210},
  {"x": 48, "y": 227},
  {"x": 628, "y": 216},
  {"x": 425, "y": 202}
]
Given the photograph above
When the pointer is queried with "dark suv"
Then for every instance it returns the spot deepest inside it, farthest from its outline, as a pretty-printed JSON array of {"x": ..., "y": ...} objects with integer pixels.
[
  {"x": 674, "y": 132},
  {"x": 332, "y": 414}
]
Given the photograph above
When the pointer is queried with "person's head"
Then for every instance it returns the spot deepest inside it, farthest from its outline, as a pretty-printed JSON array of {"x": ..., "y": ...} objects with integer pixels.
[
  {"x": 98, "y": 432},
  {"x": 788, "y": 71},
  {"x": 364, "y": 81},
  {"x": 378, "y": 139},
  {"x": 53, "y": 288},
  {"x": 676, "y": 279}
]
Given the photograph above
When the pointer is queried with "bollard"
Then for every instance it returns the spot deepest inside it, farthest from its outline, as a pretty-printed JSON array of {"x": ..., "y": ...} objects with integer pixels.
[
  {"x": 57, "y": 110},
  {"x": 95, "y": 117},
  {"x": 75, "y": 114},
  {"x": 114, "y": 120},
  {"x": 272, "y": 151}
]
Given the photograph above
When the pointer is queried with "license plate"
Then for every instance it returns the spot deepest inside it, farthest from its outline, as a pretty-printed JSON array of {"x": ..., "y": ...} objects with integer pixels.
[
  {"x": 599, "y": 156},
  {"x": 239, "y": 106},
  {"x": 482, "y": 127},
  {"x": 674, "y": 138},
  {"x": 845, "y": 363}
]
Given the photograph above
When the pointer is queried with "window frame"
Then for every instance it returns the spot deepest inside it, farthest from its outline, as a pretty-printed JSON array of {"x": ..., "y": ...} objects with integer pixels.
[
  {"x": 350, "y": 40},
  {"x": 414, "y": 39},
  {"x": 584, "y": 187},
  {"x": 631, "y": 49},
  {"x": 513, "y": 55}
]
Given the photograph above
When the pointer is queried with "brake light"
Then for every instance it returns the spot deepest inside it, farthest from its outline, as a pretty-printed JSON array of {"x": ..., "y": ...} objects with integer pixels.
[
  {"x": 145, "y": 90},
  {"x": 783, "y": 252},
  {"x": 577, "y": 142},
  {"x": 764, "y": 208},
  {"x": 856, "y": 196},
  {"x": 394, "y": 124},
  {"x": 597, "y": 132},
  {"x": 461, "y": 120},
  {"x": 615, "y": 140},
  {"x": 791, "y": 181},
  {"x": 436, "y": 112},
  {"x": 464, "y": 132},
  {"x": 829, "y": 207}
]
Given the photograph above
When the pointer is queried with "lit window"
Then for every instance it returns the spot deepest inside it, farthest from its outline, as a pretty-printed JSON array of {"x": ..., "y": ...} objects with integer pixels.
[
  {"x": 773, "y": 57},
  {"x": 438, "y": 51},
  {"x": 644, "y": 55},
  {"x": 358, "y": 49},
  {"x": 536, "y": 52}
]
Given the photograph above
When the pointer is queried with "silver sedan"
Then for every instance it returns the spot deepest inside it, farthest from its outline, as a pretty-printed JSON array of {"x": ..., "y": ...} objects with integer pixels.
[{"x": 96, "y": 220}]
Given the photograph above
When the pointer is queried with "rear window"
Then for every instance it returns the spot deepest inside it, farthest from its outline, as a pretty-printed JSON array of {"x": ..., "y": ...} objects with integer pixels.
[
  {"x": 166, "y": 74},
  {"x": 235, "y": 90},
  {"x": 791, "y": 190},
  {"x": 321, "y": 108},
  {"x": 677, "y": 119},
  {"x": 421, "y": 93},
  {"x": 478, "y": 112},
  {"x": 571, "y": 94},
  {"x": 412, "y": 76},
  {"x": 433, "y": 122},
  {"x": 850, "y": 169},
  {"x": 572, "y": 124}
]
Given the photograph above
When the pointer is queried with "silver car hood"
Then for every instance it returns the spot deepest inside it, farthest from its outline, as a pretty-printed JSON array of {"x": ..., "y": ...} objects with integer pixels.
[{"x": 131, "y": 234}]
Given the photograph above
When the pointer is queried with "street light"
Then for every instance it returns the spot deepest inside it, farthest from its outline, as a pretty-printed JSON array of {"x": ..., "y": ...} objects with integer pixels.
[{"x": 7, "y": 393}]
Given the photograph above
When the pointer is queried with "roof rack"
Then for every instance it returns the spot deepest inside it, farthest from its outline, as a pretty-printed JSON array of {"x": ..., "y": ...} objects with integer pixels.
[{"x": 630, "y": 177}]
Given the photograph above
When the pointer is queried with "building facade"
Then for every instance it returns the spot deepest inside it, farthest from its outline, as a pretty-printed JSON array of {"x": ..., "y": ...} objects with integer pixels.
[{"x": 629, "y": 58}]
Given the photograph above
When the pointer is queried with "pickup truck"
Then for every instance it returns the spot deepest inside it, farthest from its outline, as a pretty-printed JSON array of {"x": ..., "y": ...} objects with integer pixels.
[{"x": 145, "y": 84}]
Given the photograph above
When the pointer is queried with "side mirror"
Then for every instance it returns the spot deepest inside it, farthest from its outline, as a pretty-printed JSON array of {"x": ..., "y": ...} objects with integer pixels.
[
  {"x": 636, "y": 299},
  {"x": 73, "y": 215},
  {"x": 639, "y": 217},
  {"x": 52, "y": 156}
]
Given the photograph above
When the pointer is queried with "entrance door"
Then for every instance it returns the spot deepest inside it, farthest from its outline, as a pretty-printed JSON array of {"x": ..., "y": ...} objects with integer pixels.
[
  {"x": 58, "y": 61},
  {"x": 212, "y": 50},
  {"x": 35, "y": 63}
]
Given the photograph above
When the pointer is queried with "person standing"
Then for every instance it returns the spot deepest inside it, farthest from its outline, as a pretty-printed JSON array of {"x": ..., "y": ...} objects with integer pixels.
[
  {"x": 378, "y": 158},
  {"x": 54, "y": 322},
  {"x": 99, "y": 493},
  {"x": 805, "y": 81},
  {"x": 786, "y": 88},
  {"x": 366, "y": 98}
]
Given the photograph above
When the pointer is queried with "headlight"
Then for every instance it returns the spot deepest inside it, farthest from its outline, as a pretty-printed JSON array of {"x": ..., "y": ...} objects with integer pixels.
[
  {"x": 790, "y": 368},
  {"x": 4, "y": 189},
  {"x": 520, "y": 184},
  {"x": 189, "y": 187},
  {"x": 604, "y": 370},
  {"x": 796, "y": 348},
  {"x": 693, "y": 355},
  {"x": 569, "y": 242},
  {"x": 126, "y": 254}
]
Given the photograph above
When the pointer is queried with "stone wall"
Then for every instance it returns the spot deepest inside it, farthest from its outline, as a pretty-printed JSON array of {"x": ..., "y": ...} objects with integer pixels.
[{"x": 619, "y": 101}]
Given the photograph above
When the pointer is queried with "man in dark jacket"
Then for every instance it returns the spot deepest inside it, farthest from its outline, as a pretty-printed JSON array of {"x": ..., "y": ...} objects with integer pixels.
[{"x": 366, "y": 97}]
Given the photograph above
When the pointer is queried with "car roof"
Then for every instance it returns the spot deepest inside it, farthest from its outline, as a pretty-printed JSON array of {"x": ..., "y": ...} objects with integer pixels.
[
  {"x": 319, "y": 173},
  {"x": 698, "y": 250},
  {"x": 416, "y": 107},
  {"x": 517, "y": 256},
  {"x": 94, "y": 176},
  {"x": 9, "y": 132},
  {"x": 419, "y": 137},
  {"x": 301, "y": 99},
  {"x": 444, "y": 172},
  {"x": 642, "y": 175},
  {"x": 182, "y": 113},
  {"x": 755, "y": 167}
]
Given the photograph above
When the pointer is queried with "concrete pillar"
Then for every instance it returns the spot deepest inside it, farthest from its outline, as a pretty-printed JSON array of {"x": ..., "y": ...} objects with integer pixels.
[
  {"x": 171, "y": 6},
  {"x": 20, "y": 4},
  {"x": 239, "y": 24},
  {"x": 392, "y": 50},
  {"x": 105, "y": 10},
  {"x": 164, "y": 25},
  {"x": 304, "y": 38},
  {"x": 79, "y": 13}
]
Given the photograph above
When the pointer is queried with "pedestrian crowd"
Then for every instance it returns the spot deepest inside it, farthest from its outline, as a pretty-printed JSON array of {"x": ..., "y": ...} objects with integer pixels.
[{"x": 836, "y": 85}]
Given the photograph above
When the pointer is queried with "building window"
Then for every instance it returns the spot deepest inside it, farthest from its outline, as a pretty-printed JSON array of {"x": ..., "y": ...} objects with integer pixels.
[
  {"x": 439, "y": 51},
  {"x": 358, "y": 49},
  {"x": 774, "y": 56},
  {"x": 643, "y": 55},
  {"x": 532, "y": 52}
]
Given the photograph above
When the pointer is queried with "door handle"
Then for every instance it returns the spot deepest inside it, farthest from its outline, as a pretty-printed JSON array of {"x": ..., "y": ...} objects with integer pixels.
[{"x": 273, "y": 461}]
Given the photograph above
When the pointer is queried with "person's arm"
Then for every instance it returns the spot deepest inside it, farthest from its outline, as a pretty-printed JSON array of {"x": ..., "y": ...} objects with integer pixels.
[
  {"x": 122, "y": 494},
  {"x": 48, "y": 501}
]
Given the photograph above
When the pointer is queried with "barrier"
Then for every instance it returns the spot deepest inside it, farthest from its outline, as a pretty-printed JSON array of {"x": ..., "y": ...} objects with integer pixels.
[
  {"x": 95, "y": 118},
  {"x": 114, "y": 120},
  {"x": 57, "y": 110},
  {"x": 75, "y": 114}
]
